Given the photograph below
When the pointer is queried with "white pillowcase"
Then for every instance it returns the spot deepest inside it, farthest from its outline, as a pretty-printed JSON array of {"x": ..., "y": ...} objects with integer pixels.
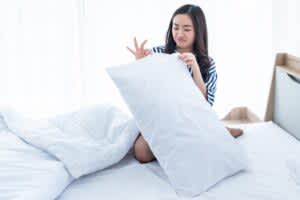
[{"x": 192, "y": 146}]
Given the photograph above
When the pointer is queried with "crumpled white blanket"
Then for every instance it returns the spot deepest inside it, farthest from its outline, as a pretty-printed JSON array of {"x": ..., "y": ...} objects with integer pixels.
[{"x": 85, "y": 141}]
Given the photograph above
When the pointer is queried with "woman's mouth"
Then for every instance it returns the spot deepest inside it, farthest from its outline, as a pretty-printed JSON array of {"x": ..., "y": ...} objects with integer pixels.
[{"x": 180, "y": 40}]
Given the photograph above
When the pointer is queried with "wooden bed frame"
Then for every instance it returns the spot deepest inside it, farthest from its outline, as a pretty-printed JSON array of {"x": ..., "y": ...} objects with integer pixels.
[{"x": 283, "y": 106}]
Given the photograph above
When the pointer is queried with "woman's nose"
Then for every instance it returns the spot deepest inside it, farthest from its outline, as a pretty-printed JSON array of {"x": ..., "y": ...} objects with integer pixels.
[{"x": 180, "y": 34}]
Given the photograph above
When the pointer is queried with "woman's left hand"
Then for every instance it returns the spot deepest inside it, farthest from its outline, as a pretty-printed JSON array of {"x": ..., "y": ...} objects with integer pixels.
[{"x": 191, "y": 61}]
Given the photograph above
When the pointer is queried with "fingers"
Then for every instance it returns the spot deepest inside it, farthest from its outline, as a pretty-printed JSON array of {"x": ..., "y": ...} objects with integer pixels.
[
  {"x": 135, "y": 43},
  {"x": 147, "y": 52},
  {"x": 143, "y": 44},
  {"x": 181, "y": 56},
  {"x": 139, "y": 52},
  {"x": 184, "y": 57},
  {"x": 189, "y": 63},
  {"x": 129, "y": 49}
]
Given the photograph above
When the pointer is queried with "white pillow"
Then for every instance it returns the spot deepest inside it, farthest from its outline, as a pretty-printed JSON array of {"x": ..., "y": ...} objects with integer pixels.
[{"x": 192, "y": 146}]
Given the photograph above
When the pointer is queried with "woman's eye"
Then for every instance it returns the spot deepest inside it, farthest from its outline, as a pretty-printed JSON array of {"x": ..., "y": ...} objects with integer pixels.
[
  {"x": 175, "y": 28},
  {"x": 187, "y": 30}
]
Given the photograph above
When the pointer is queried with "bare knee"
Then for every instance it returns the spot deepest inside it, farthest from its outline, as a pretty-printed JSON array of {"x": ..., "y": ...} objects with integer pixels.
[
  {"x": 235, "y": 132},
  {"x": 142, "y": 151}
]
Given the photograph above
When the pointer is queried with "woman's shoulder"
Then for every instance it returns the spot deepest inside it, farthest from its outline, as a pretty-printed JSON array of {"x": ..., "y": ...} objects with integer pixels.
[{"x": 158, "y": 49}]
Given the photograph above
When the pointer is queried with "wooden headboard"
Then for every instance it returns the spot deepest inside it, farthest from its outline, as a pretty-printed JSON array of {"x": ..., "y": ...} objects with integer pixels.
[{"x": 284, "y": 98}]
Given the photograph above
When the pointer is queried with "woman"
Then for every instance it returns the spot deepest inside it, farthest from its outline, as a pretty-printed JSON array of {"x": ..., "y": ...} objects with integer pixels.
[{"x": 187, "y": 35}]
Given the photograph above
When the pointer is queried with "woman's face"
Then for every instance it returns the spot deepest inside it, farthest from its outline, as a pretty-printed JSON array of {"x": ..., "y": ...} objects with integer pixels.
[{"x": 183, "y": 32}]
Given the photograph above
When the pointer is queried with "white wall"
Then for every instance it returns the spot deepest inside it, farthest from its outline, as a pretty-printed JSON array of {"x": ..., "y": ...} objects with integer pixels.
[
  {"x": 243, "y": 42},
  {"x": 286, "y": 26}
]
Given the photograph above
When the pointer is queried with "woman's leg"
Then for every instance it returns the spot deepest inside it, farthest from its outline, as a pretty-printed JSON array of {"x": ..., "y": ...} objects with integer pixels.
[
  {"x": 142, "y": 150},
  {"x": 144, "y": 154},
  {"x": 235, "y": 132}
]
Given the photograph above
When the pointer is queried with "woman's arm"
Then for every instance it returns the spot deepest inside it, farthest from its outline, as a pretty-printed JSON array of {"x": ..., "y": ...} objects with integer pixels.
[
  {"x": 191, "y": 61},
  {"x": 197, "y": 77},
  {"x": 211, "y": 83}
]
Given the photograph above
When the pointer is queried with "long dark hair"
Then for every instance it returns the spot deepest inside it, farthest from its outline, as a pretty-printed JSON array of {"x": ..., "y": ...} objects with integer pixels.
[{"x": 200, "y": 47}]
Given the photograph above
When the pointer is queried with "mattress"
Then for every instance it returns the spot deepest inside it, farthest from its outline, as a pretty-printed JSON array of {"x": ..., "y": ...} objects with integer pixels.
[{"x": 268, "y": 177}]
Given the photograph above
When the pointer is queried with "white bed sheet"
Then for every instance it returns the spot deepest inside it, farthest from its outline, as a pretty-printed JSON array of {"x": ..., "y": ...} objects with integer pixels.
[
  {"x": 27, "y": 172},
  {"x": 268, "y": 147}
]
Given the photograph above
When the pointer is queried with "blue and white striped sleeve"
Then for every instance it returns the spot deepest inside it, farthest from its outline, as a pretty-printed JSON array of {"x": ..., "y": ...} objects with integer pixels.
[
  {"x": 211, "y": 83},
  {"x": 159, "y": 49}
]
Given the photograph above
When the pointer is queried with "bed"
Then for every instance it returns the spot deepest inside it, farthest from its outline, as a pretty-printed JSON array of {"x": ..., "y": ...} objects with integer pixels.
[
  {"x": 27, "y": 172},
  {"x": 269, "y": 147}
]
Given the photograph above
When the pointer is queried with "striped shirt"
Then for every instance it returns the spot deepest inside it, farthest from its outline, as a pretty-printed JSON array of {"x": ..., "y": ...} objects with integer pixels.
[{"x": 211, "y": 80}]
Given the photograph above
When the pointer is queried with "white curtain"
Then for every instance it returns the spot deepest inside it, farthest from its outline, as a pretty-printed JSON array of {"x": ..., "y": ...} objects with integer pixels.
[
  {"x": 53, "y": 53},
  {"x": 40, "y": 59}
]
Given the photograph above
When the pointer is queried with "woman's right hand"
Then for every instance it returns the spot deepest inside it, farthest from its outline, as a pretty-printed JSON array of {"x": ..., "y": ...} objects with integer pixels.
[{"x": 140, "y": 51}]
